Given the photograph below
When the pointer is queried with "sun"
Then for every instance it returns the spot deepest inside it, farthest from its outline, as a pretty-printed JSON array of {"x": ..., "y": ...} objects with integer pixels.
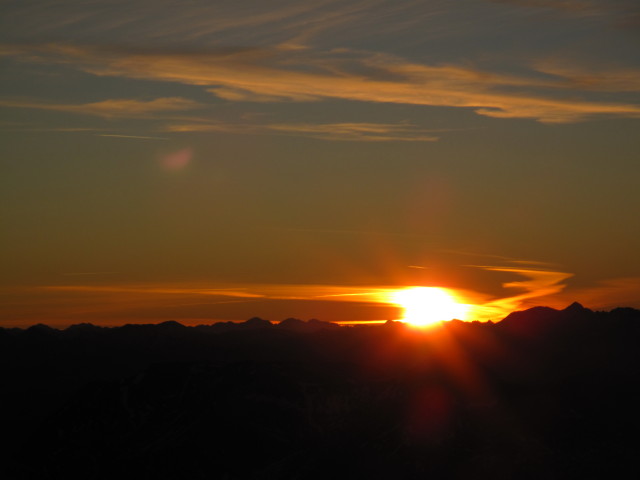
[{"x": 424, "y": 306}]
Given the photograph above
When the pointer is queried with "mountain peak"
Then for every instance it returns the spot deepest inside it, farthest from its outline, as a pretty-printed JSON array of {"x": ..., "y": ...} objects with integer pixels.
[
  {"x": 171, "y": 324},
  {"x": 257, "y": 322},
  {"x": 575, "y": 306},
  {"x": 576, "y": 309}
]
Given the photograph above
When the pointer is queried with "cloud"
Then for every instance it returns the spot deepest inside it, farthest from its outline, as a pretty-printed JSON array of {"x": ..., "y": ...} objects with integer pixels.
[
  {"x": 66, "y": 304},
  {"x": 611, "y": 293},
  {"x": 63, "y": 305},
  {"x": 502, "y": 258},
  {"x": 135, "y": 137},
  {"x": 126, "y": 302},
  {"x": 145, "y": 21},
  {"x": 155, "y": 290},
  {"x": 578, "y": 7},
  {"x": 131, "y": 301},
  {"x": 248, "y": 291},
  {"x": 358, "y": 131},
  {"x": 535, "y": 283},
  {"x": 623, "y": 14},
  {"x": 21, "y": 128},
  {"x": 121, "y": 108},
  {"x": 82, "y": 274},
  {"x": 574, "y": 6},
  {"x": 288, "y": 23},
  {"x": 610, "y": 79},
  {"x": 125, "y": 108},
  {"x": 367, "y": 132},
  {"x": 276, "y": 75}
]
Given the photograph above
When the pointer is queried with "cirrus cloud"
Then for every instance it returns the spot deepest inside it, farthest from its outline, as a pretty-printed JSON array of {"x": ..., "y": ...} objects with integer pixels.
[
  {"x": 368, "y": 132},
  {"x": 127, "y": 108},
  {"x": 279, "y": 74}
]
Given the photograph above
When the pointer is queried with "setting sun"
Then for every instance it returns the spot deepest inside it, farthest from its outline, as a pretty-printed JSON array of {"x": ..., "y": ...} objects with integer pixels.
[{"x": 425, "y": 306}]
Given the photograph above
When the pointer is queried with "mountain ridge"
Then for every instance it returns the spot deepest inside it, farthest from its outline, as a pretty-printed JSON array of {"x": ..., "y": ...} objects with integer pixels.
[{"x": 544, "y": 393}]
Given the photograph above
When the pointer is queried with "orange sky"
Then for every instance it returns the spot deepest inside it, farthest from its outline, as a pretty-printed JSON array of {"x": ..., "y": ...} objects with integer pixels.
[{"x": 220, "y": 161}]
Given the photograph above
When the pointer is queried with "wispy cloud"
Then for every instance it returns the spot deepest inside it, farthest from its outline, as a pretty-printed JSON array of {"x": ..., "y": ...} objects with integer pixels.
[
  {"x": 579, "y": 7},
  {"x": 203, "y": 22},
  {"x": 368, "y": 132},
  {"x": 358, "y": 131},
  {"x": 191, "y": 303},
  {"x": 249, "y": 291},
  {"x": 609, "y": 79},
  {"x": 158, "y": 108},
  {"x": 275, "y": 75},
  {"x": 155, "y": 290},
  {"x": 503, "y": 258},
  {"x": 113, "y": 108},
  {"x": 136, "y": 302},
  {"x": 622, "y": 14},
  {"x": 575, "y": 6},
  {"x": 80, "y": 274},
  {"x": 23, "y": 128},
  {"x": 135, "y": 137},
  {"x": 99, "y": 132},
  {"x": 535, "y": 284}
]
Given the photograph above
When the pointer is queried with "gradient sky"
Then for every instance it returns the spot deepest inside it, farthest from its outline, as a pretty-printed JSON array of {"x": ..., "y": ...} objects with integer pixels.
[{"x": 206, "y": 160}]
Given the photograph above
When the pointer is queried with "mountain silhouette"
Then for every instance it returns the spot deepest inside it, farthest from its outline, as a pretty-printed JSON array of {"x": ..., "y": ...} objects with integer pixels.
[{"x": 545, "y": 393}]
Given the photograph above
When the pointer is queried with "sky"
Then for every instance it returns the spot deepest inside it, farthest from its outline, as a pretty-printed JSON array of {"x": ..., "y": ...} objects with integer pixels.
[{"x": 218, "y": 160}]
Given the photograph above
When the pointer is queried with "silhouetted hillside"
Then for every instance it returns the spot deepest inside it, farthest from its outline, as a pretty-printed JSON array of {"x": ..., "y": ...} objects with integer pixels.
[{"x": 543, "y": 394}]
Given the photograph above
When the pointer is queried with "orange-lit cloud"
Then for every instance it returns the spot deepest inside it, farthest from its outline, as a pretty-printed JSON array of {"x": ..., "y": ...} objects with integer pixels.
[
  {"x": 120, "y": 108},
  {"x": 117, "y": 304},
  {"x": 138, "y": 137},
  {"x": 151, "y": 303},
  {"x": 199, "y": 303},
  {"x": 610, "y": 79},
  {"x": 536, "y": 284},
  {"x": 251, "y": 291},
  {"x": 154, "y": 289},
  {"x": 64, "y": 305},
  {"x": 502, "y": 258},
  {"x": 368, "y": 132},
  {"x": 358, "y": 131},
  {"x": 279, "y": 74}
]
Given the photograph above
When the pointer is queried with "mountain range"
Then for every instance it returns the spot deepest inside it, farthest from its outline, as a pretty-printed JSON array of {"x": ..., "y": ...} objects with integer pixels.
[{"x": 544, "y": 393}]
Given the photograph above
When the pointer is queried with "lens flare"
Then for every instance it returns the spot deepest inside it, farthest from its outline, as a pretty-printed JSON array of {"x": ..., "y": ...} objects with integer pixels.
[
  {"x": 424, "y": 306},
  {"x": 177, "y": 161}
]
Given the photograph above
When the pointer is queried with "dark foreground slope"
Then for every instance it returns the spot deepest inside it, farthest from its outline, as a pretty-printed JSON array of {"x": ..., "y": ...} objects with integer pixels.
[{"x": 542, "y": 394}]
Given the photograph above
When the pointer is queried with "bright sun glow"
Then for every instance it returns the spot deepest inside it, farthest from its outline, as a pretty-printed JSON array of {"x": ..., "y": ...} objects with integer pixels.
[{"x": 425, "y": 306}]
